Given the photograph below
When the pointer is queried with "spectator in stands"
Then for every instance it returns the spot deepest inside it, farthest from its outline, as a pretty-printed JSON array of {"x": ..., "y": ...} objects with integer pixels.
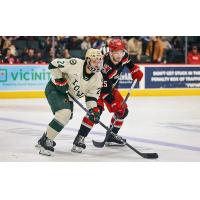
[
  {"x": 176, "y": 55},
  {"x": 86, "y": 44},
  {"x": 62, "y": 40},
  {"x": 176, "y": 43},
  {"x": 193, "y": 56},
  {"x": 48, "y": 43},
  {"x": 23, "y": 54},
  {"x": 29, "y": 58},
  {"x": 155, "y": 50},
  {"x": 167, "y": 49},
  {"x": 13, "y": 50},
  {"x": 134, "y": 47},
  {"x": 144, "y": 40},
  {"x": 42, "y": 42},
  {"x": 19, "y": 48},
  {"x": 166, "y": 43},
  {"x": 66, "y": 54},
  {"x": 100, "y": 42},
  {"x": 6, "y": 44},
  {"x": 39, "y": 58},
  {"x": 7, "y": 57},
  {"x": 49, "y": 56},
  {"x": 59, "y": 51},
  {"x": 74, "y": 43},
  {"x": 62, "y": 44}
]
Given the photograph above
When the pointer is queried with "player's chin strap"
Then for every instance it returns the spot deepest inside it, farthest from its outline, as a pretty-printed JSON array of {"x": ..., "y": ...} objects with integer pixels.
[{"x": 144, "y": 155}]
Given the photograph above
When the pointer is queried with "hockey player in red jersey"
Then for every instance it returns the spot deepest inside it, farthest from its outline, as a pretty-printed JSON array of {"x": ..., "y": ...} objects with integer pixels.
[{"x": 114, "y": 62}]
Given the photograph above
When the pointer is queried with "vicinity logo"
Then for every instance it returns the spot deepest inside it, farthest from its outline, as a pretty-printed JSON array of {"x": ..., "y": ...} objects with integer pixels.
[{"x": 23, "y": 75}]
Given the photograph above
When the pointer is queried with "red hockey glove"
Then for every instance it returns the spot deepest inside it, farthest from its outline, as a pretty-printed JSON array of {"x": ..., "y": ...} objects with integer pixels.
[
  {"x": 118, "y": 109},
  {"x": 94, "y": 115},
  {"x": 136, "y": 73}
]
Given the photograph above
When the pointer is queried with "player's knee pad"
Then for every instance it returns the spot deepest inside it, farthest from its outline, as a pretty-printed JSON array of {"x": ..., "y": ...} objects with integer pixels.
[
  {"x": 63, "y": 116},
  {"x": 125, "y": 114}
]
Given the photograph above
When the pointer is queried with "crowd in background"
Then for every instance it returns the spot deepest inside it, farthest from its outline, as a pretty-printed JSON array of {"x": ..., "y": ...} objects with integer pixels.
[{"x": 144, "y": 49}]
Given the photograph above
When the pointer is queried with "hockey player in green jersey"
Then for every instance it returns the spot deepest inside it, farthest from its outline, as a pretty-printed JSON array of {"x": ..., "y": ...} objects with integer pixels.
[{"x": 80, "y": 78}]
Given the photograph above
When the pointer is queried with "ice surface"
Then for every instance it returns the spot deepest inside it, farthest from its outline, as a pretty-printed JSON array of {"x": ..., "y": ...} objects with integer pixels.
[{"x": 169, "y": 126}]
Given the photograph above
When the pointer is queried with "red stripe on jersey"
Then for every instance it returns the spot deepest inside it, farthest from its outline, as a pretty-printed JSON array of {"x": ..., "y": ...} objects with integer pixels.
[
  {"x": 103, "y": 96},
  {"x": 124, "y": 60},
  {"x": 87, "y": 121},
  {"x": 112, "y": 74},
  {"x": 134, "y": 69}
]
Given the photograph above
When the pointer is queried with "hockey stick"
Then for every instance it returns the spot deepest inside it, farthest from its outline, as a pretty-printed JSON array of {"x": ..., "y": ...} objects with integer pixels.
[
  {"x": 144, "y": 155},
  {"x": 109, "y": 132}
]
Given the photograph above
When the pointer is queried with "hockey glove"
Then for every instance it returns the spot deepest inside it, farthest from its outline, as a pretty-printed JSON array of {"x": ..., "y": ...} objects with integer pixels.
[
  {"x": 136, "y": 73},
  {"x": 94, "y": 115}
]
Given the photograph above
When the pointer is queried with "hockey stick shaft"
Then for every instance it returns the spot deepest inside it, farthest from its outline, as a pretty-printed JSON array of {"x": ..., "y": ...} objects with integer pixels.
[{"x": 80, "y": 104}]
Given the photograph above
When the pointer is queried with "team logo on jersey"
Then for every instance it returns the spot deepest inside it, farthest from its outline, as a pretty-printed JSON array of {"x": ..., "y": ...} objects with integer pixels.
[
  {"x": 86, "y": 78},
  {"x": 106, "y": 69},
  {"x": 73, "y": 61}
]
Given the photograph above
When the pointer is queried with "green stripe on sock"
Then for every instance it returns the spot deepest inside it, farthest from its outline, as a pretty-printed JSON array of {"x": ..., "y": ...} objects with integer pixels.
[{"x": 56, "y": 125}]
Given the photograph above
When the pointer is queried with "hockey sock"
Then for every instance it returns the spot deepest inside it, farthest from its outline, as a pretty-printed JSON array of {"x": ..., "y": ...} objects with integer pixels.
[
  {"x": 57, "y": 124},
  {"x": 117, "y": 124},
  {"x": 54, "y": 128},
  {"x": 86, "y": 126}
]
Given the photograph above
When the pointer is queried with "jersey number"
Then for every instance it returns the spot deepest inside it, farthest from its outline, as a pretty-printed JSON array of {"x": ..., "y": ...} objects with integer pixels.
[
  {"x": 105, "y": 84},
  {"x": 60, "y": 63}
]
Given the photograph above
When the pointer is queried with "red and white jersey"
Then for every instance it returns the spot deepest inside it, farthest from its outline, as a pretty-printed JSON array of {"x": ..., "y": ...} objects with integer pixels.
[{"x": 111, "y": 72}]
